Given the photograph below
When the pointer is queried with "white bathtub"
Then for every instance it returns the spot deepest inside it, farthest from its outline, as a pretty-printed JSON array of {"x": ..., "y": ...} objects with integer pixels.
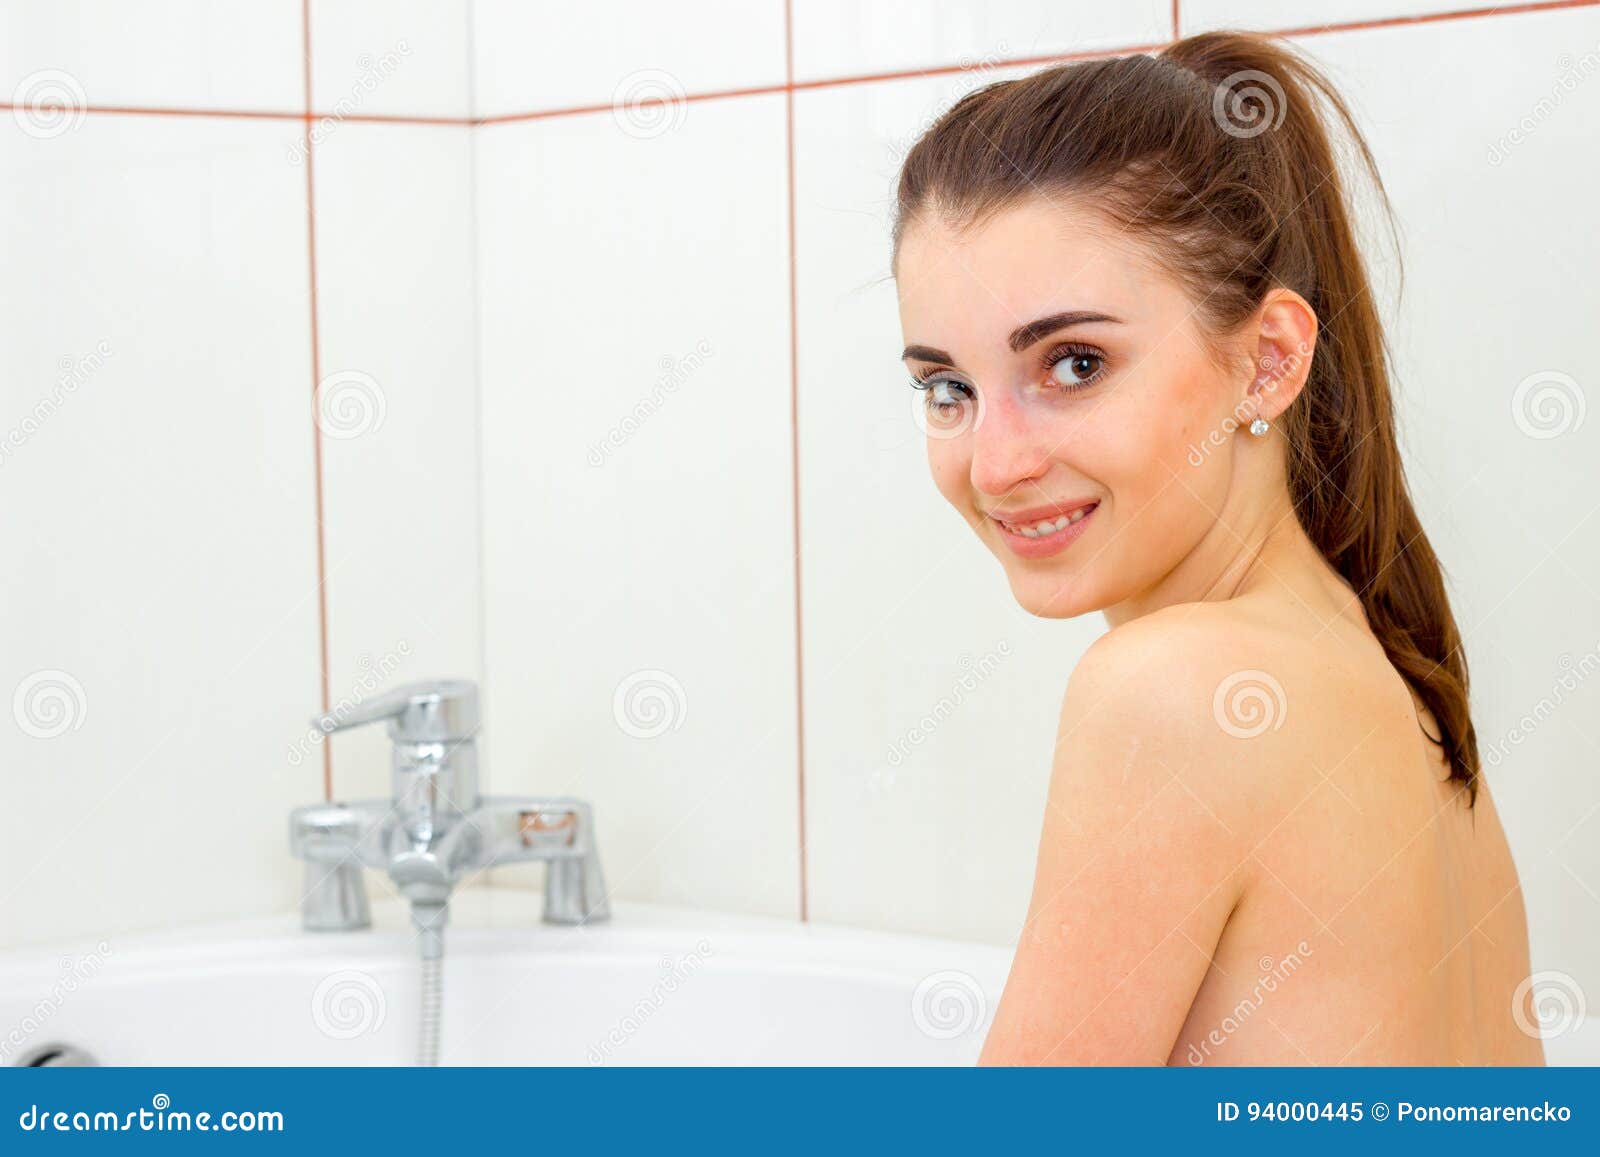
[{"x": 653, "y": 986}]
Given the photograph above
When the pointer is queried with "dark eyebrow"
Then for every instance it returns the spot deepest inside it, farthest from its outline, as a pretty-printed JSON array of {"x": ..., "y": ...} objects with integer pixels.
[
  {"x": 1021, "y": 338},
  {"x": 927, "y": 354},
  {"x": 1024, "y": 336}
]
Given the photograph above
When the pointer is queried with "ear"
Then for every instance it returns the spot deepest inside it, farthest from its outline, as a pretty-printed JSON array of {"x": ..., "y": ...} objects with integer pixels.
[{"x": 1287, "y": 336}]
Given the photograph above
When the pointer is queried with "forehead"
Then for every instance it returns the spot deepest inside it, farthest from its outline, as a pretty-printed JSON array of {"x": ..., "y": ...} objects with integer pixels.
[{"x": 1023, "y": 262}]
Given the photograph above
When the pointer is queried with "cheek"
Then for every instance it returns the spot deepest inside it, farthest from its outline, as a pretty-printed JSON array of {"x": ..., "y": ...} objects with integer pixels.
[
  {"x": 1137, "y": 446},
  {"x": 950, "y": 463}
]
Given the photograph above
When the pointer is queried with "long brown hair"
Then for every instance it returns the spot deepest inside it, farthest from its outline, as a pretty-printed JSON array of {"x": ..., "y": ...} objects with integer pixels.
[{"x": 1217, "y": 152}]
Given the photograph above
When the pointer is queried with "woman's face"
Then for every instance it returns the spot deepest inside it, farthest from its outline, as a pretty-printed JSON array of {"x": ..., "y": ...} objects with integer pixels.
[{"x": 1073, "y": 416}]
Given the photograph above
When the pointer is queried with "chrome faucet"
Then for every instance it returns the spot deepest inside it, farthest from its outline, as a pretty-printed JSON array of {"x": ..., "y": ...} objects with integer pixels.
[{"x": 437, "y": 830}]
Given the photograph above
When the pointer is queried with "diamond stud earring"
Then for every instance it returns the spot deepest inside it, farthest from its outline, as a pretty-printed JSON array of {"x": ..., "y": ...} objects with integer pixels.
[{"x": 1258, "y": 427}]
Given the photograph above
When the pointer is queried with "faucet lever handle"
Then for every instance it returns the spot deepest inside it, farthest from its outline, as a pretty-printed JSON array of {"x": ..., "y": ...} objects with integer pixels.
[{"x": 439, "y": 711}]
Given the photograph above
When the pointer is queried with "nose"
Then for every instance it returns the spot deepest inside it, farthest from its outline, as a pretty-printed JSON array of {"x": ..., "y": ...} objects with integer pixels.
[{"x": 1008, "y": 448}]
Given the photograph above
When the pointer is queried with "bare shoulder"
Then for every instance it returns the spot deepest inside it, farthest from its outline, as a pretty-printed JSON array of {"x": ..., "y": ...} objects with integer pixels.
[{"x": 1225, "y": 701}]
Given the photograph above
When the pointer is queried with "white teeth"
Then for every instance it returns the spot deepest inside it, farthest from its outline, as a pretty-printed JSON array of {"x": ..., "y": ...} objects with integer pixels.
[{"x": 1049, "y": 525}]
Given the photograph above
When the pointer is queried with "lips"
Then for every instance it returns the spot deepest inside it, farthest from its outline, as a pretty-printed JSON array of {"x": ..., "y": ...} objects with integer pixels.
[{"x": 1042, "y": 531}]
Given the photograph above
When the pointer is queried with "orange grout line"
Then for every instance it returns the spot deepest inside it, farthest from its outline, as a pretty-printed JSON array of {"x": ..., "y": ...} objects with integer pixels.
[
  {"x": 378, "y": 118},
  {"x": 792, "y": 85},
  {"x": 316, "y": 428},
  {"x": 794, "y": 451},
  {"x": 581, "y": 109},
  {"x": 263, "y": 115},
  {"x": 1436, "y": 17},
  {"x": 953, "y": 69}
]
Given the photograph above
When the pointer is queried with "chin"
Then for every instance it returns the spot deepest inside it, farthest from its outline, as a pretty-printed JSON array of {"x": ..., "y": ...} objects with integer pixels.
[{"x": 1052, "y": 596}]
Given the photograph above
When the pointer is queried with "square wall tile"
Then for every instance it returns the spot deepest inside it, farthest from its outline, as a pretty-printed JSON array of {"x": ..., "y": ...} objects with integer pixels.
[
  {"x": 391, "y": 57},
  {"x": 835, "y": 38},
  {"x": 639, "y": 563},
  {"x": 399, "y": 416},
  {"x": 628, "y": 53},
  {"x": 164, "y": 644},
  {"x": 157, "y": 53}
]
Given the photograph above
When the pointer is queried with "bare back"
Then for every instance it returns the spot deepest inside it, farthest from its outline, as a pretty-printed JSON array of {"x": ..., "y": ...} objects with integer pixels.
[{"x": 1381, "y": 920}]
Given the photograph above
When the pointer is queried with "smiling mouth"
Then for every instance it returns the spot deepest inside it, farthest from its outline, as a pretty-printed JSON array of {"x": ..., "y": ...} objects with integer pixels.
[
  {"x": 1039, "y": 533},
  {"x": 1044, "y": 527},
  {"x": 1029, "y": 524}
]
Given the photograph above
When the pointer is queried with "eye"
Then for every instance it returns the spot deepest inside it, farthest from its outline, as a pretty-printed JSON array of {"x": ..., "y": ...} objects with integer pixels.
[
  {"x": 1074, "y": 367},
  {"x": 944, "y": 395}
]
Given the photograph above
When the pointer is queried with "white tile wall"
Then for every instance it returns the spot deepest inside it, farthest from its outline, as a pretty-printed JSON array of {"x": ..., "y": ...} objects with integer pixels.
[
  {"x": 635, "y": 314},
  {"x": 551, "y": 54},
  {"x": 1202, "y": 15},
  {"x": 838, "y": 38},
  {"x": 391, "y": 57},
  {"x": 164, "y": 53},
  {"x": 396, "y": 296},
  {"x": 163, "y": 522}
]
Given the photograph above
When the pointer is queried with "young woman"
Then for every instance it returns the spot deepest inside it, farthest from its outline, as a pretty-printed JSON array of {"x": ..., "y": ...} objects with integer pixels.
[{"x": 1157, "y": 387}]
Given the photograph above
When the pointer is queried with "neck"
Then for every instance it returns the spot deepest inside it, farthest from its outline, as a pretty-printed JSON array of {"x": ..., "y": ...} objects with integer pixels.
[{"x": 1245, "y": 547}]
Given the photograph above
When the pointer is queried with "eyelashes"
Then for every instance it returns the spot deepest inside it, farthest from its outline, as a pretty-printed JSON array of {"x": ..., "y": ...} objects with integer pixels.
[{"x": 940, "y": 385}]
